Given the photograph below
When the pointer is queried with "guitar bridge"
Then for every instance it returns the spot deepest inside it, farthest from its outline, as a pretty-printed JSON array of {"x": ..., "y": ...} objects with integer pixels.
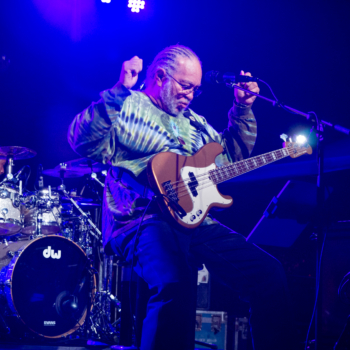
[
  {"x": 174, "y": 199},
  {"x": 170, "y": 191}
]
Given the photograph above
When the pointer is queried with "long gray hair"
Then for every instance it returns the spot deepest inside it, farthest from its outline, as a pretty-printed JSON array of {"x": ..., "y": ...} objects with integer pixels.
[{"x": 167, "y": 59}]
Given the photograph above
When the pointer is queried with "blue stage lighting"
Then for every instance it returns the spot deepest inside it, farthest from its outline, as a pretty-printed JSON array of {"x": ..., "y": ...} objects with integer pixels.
[
  {"x": 301, "y": 139},
  {"x": 136, "y": 5}
]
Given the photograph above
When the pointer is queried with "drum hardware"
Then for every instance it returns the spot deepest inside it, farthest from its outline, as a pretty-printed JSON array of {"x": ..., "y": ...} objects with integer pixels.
[
  {"x": 94, "y": 177},
  {"x": 72, "y": 169},
  {"x": 10, "y": 211},
  {"x": 100, "y": 319},
  {"x": 51, "y": 293},
  {"x": 41, "y": 213},
  {"x": 77, "y": 229},
  {"x": 86, "y": 166},
  {"x": 10, "y": 195},
  {"x": 84, "y": 215},
  {"x": 11, "y": 153},
  {"x": 78, "y": 199}
]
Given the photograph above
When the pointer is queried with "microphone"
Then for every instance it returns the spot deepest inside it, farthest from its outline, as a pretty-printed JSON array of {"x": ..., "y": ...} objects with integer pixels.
[{"x": 216, "y": 77}]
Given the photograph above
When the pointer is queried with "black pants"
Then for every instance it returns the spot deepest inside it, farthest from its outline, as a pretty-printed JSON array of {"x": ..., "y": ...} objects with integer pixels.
[{"x": 165, "y": 257}]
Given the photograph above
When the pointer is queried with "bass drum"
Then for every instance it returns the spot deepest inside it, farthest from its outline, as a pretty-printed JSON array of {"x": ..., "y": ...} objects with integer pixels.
[{"x": 48, "y": 285}]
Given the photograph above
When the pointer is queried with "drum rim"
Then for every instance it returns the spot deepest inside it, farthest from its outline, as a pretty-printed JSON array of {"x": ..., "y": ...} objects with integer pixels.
[
  {"x": 83, "y": 317},
  {"x": 12, "y": 188},
  {"x": 15, "y": 222}
]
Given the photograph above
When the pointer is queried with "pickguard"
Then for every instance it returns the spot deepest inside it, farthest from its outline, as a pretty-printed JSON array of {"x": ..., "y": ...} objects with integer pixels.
[{"x": 203, "y": 192}]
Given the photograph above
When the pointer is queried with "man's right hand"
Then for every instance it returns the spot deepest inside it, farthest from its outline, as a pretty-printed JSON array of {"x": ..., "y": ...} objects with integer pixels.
[{"x": 130, "y": 72}]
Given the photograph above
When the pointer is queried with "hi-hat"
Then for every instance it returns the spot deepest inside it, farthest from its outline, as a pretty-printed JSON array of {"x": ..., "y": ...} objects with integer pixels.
[{"x": 16, "y": 152}]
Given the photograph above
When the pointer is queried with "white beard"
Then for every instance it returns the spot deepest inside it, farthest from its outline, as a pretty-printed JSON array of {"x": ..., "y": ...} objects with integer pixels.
[{"x": 168, "y": 99}]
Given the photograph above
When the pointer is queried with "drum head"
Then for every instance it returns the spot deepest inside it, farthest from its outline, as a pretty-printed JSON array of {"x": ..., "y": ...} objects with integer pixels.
[{"x": 51, "y": 285}]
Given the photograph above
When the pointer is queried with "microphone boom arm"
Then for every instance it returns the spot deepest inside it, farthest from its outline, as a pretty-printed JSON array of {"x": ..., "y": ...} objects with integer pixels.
[{"x": 276, "y": 103}]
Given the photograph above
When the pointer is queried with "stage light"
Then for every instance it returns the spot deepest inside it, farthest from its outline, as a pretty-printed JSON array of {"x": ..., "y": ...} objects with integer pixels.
[
  {"x": 301, "y": 139},
  {"x": 136, "y": 5},
  {"x": 106, "y": 1}
]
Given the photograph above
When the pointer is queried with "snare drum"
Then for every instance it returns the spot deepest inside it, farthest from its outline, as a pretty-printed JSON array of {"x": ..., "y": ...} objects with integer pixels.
[
  {"x": 47, "y": 285},
  {"x": 49, "y": 205},
  {"x": 10, "y": 212}
]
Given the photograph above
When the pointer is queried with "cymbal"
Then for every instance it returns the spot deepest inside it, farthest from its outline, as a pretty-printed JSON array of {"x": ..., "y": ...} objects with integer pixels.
[
  {"x": 76, "y": 168},
  {"x": 16, "y": 152},
  {"x": 63, "y": 172},
  {"x": 87, "y": 164}
]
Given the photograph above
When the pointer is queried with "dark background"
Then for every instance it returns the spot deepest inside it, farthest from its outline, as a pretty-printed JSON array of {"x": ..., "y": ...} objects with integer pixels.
[{"x": 64, "y": 52}]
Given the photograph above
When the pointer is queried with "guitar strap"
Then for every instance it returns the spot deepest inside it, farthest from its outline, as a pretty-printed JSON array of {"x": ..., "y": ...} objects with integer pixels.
[{"x": 198, "y": 126}]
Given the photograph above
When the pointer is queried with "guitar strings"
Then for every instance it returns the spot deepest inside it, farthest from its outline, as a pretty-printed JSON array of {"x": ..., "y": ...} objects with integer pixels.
[
  {"x": 203, "y": 185},
  {"x": 238, "y": 164},
  {"x": 231, "y": 167},
  {"x": 183, "y": 189}
]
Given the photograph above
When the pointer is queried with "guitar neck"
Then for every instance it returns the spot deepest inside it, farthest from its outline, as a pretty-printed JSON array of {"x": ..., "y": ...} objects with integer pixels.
[{"x": 230, "y": 171}]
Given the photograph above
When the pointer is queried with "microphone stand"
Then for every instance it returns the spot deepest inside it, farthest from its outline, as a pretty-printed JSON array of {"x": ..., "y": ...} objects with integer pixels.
[
  {"x": 319, "y": 234},
  {"x": 276, "y": 103}
]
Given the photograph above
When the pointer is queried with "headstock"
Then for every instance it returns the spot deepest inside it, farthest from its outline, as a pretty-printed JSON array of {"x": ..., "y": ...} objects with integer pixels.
[{"x": 296, "y": 150}]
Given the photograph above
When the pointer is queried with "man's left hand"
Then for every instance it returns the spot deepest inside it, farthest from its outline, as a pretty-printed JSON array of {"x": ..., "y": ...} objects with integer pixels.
[{"x": 245, "y": 97}]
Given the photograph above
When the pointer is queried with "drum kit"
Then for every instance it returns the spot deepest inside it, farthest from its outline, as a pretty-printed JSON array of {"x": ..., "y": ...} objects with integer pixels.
[{"x": 47, "y": 273}]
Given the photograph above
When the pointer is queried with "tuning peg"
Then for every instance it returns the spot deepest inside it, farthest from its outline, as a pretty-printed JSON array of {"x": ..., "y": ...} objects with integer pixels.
[{"x": 284, "y": 137}]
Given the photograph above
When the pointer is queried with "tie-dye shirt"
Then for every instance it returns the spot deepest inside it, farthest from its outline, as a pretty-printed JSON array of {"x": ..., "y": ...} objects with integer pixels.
[{"x": 125, "y": 129}]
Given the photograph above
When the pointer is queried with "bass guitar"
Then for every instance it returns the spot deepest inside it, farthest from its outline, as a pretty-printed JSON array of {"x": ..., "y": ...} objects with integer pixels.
[{"x": 187, "y": 186}]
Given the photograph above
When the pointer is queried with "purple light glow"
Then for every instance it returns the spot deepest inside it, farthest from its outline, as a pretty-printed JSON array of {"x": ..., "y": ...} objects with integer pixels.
[{"x": 75, "y": 17}]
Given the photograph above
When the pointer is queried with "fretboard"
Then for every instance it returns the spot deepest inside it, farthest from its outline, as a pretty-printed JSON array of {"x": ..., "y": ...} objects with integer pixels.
[{"x": 230, "y": 171}]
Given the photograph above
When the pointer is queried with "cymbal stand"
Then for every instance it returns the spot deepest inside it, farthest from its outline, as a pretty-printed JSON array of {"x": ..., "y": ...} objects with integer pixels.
[
  {"x": 39, "y": 221},
  {"x": 9, "y": 167},
  {"x": 63, "y": 168}
]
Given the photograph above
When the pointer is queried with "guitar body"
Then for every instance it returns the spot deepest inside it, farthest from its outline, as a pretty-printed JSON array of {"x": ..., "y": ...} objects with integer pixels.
[{"x": 186, "y": 180}]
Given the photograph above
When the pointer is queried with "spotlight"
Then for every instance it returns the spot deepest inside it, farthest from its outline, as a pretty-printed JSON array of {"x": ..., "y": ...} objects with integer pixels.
[
  {"x": 136, "y": 5},
  {"x": 301, "y": 139},
  {"x": 106, "y": 1}
]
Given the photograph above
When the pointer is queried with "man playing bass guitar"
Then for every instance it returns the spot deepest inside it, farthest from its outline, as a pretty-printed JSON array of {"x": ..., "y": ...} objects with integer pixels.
[{"x": 127, "y": 128}]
